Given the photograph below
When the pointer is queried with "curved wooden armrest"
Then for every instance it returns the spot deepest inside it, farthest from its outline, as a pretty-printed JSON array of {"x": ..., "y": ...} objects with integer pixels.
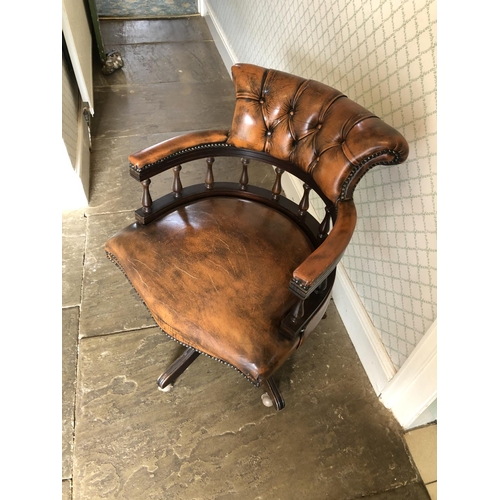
[
  {"x": 146, "y": 158},
  {"x": 313, "y": 271}
]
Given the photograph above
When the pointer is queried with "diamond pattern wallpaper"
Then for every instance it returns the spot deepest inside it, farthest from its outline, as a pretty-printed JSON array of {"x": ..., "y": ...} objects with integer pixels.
[{"x": 382, "y": 54}]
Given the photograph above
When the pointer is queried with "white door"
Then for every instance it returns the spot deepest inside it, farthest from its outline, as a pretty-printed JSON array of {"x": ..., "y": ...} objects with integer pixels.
[
  {"x": 77, "y": 104},
  {"x": 78, "y": 36}
]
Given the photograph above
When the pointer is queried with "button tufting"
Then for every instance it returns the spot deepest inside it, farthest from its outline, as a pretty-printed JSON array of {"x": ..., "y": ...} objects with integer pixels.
[
  {"x": 262, "y": 101},
  {"x": 319, "y": 127},
  {"x": 268, "y": 133},
  {"x": 291, "y": 113}
]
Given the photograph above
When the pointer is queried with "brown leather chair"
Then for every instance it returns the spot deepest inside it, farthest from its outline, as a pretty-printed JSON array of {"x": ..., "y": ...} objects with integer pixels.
[{"x": 241, "y": 273}]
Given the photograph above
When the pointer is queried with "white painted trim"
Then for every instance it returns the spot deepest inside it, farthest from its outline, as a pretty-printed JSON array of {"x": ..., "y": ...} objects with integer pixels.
[
  {"x": 364, "y": 336},
  {"x": 428, "y": 416},
  {"x": 73, "y": 196},
  {"x": 221, "y": 42},
  {"x": 79, "y": 42},
  {"x": 82, "y": 167},
  {"x": 414, "y": 387},
  {"x": 201, "y": 8}
]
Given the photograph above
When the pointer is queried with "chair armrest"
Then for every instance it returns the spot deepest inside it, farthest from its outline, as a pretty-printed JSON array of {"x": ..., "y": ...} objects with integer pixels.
[
  {"x": 314, "y": 270},
  {"x": 146, "y": 158}
]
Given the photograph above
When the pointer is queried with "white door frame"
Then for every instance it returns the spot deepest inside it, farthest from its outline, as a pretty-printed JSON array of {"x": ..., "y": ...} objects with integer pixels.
[
  {"x": 414, "y": 387},
  {"x": 78, "y": 38}
]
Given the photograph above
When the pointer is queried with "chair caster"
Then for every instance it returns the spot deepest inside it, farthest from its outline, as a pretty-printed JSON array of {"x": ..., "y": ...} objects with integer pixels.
[
  {"x": 266, "y": 400},
  {"x": 272, "y": 397},
  {"x": 167, "y": 388}
]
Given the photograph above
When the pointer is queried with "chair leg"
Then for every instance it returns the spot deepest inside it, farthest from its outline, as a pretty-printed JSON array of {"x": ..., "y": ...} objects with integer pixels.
[
  {"x": 273, "y": 393},
  {"x": 177, "y": 368}
]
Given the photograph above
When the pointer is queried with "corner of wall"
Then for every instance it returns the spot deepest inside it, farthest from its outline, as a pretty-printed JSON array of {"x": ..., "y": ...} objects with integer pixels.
[
  {"x": 220, "y": 40},
  {"x": 410, "y": 393}
]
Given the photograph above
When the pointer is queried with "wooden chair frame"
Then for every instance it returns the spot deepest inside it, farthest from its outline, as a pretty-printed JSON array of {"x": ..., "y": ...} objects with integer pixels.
[{"x": 302, "y": 319}]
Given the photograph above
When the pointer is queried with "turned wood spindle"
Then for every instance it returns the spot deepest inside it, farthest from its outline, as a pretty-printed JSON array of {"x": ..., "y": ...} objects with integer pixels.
[
  {"x": 277, "y": 184},
  {"x": 324, "y": 226},
  {"x": 146, "y": 196},
  {"x": 209, "y": 179},
  {"x": 298, "y": 311},
  {"x": 177, "y": 184},
  {"x": 244, "y": 174},
  {"x": 304, "y": 202}
]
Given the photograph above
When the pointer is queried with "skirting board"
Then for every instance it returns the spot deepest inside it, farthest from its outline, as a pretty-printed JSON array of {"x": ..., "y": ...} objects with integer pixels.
[
  {"x": 223, "y": 46},
  {"x": 73, "y": 196},
  {"x": 414, "y": 387}
]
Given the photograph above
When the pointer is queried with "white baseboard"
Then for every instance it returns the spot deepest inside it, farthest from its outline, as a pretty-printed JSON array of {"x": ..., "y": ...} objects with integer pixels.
[
  {"x": 413, "y": 389},
  {"x": 73, "y": 196},
  {"x": 201, "y": 7},
  {"x": 364, "y": 336},
  {"x": 220, "y": 40}
]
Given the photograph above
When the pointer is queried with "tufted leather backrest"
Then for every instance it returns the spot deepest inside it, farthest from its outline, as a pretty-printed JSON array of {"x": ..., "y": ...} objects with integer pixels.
[{"x": 311, "y": 125}]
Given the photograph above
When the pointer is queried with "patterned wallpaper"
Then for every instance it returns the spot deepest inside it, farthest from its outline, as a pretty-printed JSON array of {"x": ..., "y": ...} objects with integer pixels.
[{"x": 382, "y": 54}]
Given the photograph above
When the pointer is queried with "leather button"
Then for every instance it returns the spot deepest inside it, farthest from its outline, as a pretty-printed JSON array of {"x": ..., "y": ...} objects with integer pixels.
[
  {"x": 262, "y": 101},
  {"x": 291, "y": 113},
  {"x": 319, "y": 127},
  {"x": 268, "y": 133}
]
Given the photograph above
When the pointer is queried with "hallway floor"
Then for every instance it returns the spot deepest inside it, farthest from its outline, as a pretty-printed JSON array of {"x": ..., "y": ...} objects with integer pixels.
[{"x": 210, "y": 437}]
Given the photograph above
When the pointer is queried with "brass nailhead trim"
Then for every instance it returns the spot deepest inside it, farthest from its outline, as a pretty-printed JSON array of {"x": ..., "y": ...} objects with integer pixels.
[
  {"x": 182, "y": 151},
  {"x": 115, "y": 261},
  {"x": 355, "y": 170}
]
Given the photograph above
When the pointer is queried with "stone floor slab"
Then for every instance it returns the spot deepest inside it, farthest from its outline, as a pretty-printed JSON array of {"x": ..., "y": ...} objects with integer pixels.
[
  {"x": 187, "y": 62},
  {"x": 211, "y": 437},
  {"x": 119, "y": 32},
  {"x": 154, "y": 108},
  {"x": 109, "y": 303},
  {"x": 69, "y": 360},
  {"x": 412, "y": 491},
  {"x": 73, "y": 246}
]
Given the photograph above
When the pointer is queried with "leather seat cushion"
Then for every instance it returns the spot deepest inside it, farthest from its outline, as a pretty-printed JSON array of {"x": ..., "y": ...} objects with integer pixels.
[{"x": 214, "y": 274}]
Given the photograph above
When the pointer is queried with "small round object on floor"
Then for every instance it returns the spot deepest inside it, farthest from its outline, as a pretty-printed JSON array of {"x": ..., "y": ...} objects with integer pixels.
[
  {"x": 168, "y": 388},
  {"x": 266, "y": 400}
]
